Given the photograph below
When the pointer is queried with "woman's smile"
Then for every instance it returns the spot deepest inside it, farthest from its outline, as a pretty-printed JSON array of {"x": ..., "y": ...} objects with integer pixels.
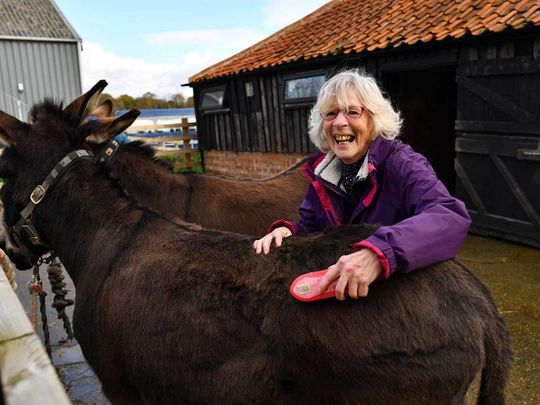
[{"x": 344, "y": 139}]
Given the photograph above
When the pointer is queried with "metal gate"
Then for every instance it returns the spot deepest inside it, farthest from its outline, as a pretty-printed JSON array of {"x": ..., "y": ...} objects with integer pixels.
[{"x": 498, "y": 147}]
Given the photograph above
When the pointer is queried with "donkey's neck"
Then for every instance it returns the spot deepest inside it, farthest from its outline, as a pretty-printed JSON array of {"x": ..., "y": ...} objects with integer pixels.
[
  {"x": 151, "y": 183},
  {"x": 86, "y": 220}
]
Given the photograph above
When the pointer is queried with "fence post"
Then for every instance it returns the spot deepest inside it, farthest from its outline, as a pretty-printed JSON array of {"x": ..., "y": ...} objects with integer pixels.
[{"x": 187, "y": 146}]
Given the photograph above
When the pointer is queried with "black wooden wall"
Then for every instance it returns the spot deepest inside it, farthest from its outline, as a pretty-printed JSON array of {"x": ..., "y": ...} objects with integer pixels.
[
  {"x": 498, "y": 146},
  {"x": 262, "y": 123}
]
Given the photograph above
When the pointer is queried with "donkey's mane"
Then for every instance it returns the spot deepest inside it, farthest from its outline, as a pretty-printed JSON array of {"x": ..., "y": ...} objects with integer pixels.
[
  {"x": 50, "y": 107},
  {"x": 148, "y": 151}
]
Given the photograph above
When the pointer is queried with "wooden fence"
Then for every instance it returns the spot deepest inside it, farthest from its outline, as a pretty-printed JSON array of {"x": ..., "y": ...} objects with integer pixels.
[
  {"x": 27, "y": 375},
  {"x": 167, "y": 145}
]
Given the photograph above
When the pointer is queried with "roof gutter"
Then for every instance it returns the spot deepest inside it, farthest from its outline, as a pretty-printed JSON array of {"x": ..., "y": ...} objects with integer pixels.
[{"x": 38, "y": 39}]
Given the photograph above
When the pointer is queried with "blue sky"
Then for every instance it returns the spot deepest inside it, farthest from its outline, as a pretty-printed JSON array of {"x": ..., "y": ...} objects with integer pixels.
[{"x": 155, "y": 45}]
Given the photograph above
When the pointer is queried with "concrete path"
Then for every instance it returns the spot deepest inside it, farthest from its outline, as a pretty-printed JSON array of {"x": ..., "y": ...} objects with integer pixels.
[
  {"x": 81, "y": 384},
  {"x": 511, "y": 271}
]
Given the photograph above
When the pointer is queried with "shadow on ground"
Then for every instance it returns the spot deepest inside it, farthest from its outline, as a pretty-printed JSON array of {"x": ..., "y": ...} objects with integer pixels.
[{"x": 511, "y": 271}]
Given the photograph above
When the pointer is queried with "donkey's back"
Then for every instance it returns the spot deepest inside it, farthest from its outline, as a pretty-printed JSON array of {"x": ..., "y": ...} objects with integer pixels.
[{"x": 224, "y": 329}]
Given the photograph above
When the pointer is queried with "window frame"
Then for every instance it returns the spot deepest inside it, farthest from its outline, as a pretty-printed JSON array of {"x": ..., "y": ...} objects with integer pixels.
[
  {"x": 302, "y": 75},
  {"x": 213, "y": 89}
]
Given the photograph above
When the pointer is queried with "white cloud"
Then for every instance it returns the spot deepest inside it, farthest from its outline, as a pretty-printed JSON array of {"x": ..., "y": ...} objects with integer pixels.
[
  {"x": 196, "y": 50},
  {"x": 233, "y": 39},
  {"x": 133, "y": 76},
  {"x": 199, "y": 49},
  {"x": 280, "y": 13}
]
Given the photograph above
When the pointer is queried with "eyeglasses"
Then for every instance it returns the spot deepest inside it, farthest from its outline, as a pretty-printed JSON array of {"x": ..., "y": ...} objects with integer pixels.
[{"x": 351, "y": 114}]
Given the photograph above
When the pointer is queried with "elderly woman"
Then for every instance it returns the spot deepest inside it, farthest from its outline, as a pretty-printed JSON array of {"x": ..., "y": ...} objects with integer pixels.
[{"x": 362, "y": 174}]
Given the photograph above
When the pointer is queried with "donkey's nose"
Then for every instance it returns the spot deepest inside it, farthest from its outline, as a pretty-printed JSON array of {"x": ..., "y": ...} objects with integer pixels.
[{"x": 22, "y": 262}]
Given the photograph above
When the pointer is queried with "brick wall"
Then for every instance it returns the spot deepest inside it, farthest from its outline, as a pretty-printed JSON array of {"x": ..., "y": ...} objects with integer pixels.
[{"x": 253, "y": 165}]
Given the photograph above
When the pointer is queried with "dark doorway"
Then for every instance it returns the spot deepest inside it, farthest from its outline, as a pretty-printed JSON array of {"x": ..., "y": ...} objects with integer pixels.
[{"x": 427, "y": 100}]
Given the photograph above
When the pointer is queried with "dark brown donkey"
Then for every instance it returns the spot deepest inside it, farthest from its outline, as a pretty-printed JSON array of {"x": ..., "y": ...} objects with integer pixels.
[
  {"x": 168, "y": 314},
  {"x": 211, "y": 201}
]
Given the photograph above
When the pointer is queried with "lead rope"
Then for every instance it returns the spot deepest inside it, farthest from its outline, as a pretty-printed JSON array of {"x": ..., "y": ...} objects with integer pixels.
[
  {"x": 35, "y": 287},
  {"x": 60, "y": 302}
]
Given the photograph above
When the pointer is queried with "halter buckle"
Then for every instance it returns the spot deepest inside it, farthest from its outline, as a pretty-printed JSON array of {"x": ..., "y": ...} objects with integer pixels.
[{"x": 37, "y": 195}]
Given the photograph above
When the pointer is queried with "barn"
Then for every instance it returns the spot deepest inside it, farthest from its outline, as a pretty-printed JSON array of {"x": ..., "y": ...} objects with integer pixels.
[
  {"x": 465, "y": 74},
  {"x": 39, "y": 55}
]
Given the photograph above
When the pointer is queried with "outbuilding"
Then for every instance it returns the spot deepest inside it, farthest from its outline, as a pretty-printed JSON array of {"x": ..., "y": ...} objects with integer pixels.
[
  {"x": 465, "y": 75},
  {"x": 39, "y": 55}
]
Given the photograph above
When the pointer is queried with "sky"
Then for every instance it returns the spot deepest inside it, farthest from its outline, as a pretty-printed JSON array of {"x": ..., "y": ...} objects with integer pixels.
[{"x": 155, "y": 45}]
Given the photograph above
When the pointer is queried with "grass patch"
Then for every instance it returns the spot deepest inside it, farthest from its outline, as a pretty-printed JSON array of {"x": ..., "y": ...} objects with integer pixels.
[{"x": 178, "y": 163}]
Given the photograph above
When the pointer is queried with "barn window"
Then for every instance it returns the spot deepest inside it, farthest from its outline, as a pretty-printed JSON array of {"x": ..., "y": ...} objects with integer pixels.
[
  {"x": 303, "y": 88},
  {"x": 213, "y": 98},
  {"x": 250, "y": 92}
]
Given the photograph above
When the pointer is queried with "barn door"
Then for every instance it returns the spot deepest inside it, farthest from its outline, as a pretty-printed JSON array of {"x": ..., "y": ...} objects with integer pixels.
[{"x": 498, "y": 147}]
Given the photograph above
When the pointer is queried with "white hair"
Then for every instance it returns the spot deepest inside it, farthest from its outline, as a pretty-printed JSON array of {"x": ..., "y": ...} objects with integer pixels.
[{"x": 333, "y": 94}]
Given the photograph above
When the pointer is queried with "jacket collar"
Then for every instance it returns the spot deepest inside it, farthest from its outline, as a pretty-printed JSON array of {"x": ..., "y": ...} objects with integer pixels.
[
  {"x": 330, "y": 169},
  {"x": 378, "y": 152}
]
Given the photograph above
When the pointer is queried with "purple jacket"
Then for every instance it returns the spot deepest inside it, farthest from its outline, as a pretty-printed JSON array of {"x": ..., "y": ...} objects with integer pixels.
[{"x": 421, "y": 222}]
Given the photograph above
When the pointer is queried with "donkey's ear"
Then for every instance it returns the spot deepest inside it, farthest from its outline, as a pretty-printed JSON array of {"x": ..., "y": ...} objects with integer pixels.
[
  {"x": 9, "y": 128},
  {"x": 104, "y": 130},
  {"x": 103, "y": 110},
  {"x": 83, "y": 105}
]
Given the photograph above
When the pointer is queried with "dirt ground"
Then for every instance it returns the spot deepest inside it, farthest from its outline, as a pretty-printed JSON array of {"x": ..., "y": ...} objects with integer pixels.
[{"x": 511, "y": 271}]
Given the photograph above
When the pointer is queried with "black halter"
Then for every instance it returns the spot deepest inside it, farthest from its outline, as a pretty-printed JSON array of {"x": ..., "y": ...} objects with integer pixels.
[
  {"x": 24, "y": 232},
  {"x": 107, "y": 153}
]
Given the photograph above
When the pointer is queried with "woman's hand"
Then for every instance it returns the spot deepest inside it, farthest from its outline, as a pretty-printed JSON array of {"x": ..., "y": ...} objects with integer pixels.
[
  {"x": 265, "y": 242},
  {"x": 355, "y": 271}
]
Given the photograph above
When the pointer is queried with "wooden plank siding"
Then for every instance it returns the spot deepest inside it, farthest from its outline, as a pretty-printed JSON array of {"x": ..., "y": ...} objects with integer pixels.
[
  {"x": 261, "y": 123},
  {"x": 500, "y": 97},
  {"x": 264, "y": 123},
  {"x": 498, "y": 146}
]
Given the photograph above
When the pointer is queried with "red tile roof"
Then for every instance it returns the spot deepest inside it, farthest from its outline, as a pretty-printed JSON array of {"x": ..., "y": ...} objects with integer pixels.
[{"x": 345, "y": 26}]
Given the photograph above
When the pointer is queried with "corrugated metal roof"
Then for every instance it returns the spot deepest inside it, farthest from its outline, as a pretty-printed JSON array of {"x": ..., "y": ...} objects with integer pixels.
[
  {"x": 34, "y": 19},
  {"x": 356, "y": 26}
]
